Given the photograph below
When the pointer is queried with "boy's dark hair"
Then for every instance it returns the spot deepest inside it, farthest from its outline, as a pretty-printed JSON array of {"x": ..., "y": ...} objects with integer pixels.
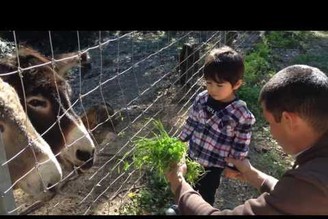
[
  {"x": 300, "y": 89},
  {"x": 224, "y": 64}
]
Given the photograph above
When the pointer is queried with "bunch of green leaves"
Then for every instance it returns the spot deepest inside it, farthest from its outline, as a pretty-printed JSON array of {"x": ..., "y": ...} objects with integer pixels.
[
  {"x": 160, "y": 152},
  {"x": 195, "y": 170},
  {"x": 154, "y": 156}
]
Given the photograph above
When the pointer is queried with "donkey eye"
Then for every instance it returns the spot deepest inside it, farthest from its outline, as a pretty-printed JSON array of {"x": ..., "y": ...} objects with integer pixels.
[{"x": 37, "y": 103}]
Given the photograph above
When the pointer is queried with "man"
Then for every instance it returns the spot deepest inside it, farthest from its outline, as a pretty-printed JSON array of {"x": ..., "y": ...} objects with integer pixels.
[{"x": 295, "y": 104}]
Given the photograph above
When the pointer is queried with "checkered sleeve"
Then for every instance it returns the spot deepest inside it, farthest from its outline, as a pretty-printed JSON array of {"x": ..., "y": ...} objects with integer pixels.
[{"x": 243, "y": 134}]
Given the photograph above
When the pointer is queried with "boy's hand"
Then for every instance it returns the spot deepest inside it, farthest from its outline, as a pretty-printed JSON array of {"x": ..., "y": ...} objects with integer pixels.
[{"x": 232, "y": 174}]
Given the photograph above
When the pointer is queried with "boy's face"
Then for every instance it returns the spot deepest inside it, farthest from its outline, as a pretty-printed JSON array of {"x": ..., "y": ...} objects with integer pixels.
[{"x": 223, "y": 92}]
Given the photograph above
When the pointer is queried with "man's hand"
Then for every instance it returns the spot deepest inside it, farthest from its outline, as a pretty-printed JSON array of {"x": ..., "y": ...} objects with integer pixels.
[
  {"x": 175, "y": 175},
  {"x": 246, "y": 172}
]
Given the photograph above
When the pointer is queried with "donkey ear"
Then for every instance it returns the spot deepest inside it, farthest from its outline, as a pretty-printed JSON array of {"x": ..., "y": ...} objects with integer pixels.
[{"x": 65, "y": 65}]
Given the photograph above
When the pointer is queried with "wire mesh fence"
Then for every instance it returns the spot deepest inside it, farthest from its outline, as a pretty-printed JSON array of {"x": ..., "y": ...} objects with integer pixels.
[{"x": 128, "y": 79}]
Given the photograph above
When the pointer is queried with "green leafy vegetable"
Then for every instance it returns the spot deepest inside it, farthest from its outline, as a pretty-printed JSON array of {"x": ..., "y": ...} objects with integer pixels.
[{"x": 161, "y": 151}]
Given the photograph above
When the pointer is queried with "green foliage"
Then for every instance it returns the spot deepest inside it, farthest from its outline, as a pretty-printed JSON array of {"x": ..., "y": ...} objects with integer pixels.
[
  {"x": 158, "y": 152},
  {"x": 250, "y": 96},
  {"x": 257, "y": 64},
  {"x": 195, "y": 170},
  {"x": 288, "y": 39},
  {"x": 320, "y": 61},
  {"x": 257, "y": 69},
  {"x": 155, "y": 155}
]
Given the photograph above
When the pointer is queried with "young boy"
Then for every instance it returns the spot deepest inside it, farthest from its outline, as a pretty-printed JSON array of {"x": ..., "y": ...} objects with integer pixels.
[{"x": 219, "y": 123}]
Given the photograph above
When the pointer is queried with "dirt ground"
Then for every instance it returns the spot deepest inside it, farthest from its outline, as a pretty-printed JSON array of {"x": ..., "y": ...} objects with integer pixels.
[{"x": 104, "y": 188}]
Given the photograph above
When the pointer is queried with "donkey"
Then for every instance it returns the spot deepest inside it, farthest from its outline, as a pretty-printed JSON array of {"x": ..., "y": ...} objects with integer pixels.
[
  {"x": 46, "y": 95},
  {"x": 32, "y": 165}
]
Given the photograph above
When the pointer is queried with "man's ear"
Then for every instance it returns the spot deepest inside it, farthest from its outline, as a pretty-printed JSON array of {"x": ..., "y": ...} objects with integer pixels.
[
  {"x": 238, "y": 84},
  {"x": 290, "y": 119}
]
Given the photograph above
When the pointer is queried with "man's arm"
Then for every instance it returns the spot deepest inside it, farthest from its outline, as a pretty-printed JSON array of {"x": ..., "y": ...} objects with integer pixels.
[{"x": 191, "y": 202}]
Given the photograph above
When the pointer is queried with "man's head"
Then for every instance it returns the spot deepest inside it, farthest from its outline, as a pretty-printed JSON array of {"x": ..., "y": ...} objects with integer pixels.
[
  {"x": 223, "y": 72},
  {"x": 294, "y": 98}
]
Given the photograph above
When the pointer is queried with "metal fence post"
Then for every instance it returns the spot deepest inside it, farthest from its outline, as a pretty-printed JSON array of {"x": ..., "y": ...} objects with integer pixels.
[{"x": 7, "y": 200}]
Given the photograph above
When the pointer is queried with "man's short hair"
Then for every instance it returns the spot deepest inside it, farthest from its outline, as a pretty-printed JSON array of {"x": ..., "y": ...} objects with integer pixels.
[{"x": 301, "y": 89}]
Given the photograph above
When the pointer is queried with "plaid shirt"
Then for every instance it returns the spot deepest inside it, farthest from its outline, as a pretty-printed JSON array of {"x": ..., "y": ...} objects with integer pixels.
[{"x": 227, "y": 133}]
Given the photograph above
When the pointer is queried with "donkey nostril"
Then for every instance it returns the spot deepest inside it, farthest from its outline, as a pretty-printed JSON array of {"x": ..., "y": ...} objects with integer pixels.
[{"x": 84, "y": 155}]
